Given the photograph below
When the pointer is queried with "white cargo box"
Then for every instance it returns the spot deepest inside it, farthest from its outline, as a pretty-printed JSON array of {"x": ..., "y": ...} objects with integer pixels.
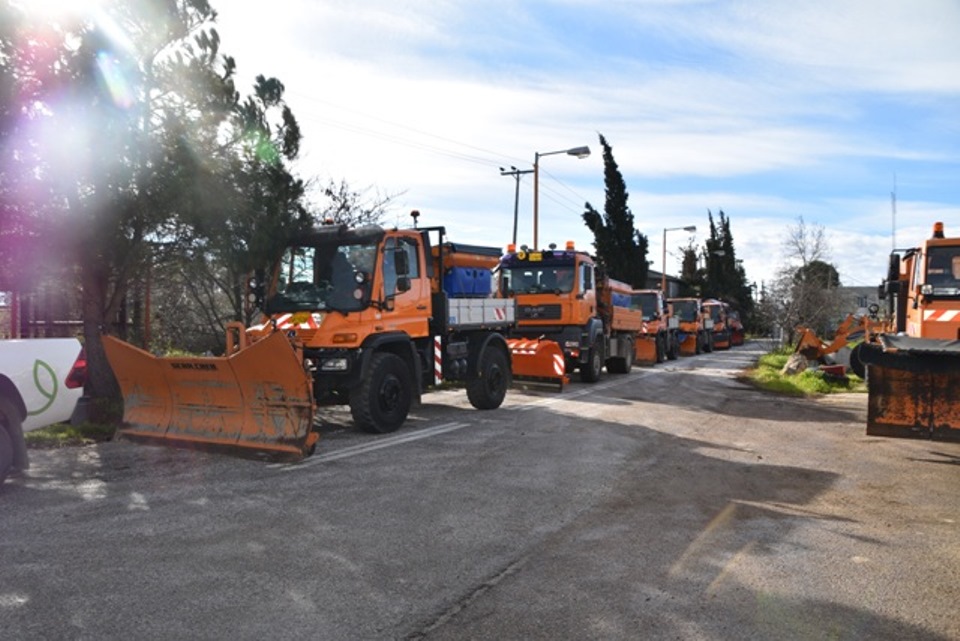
[{"x": 481, "y": 312}]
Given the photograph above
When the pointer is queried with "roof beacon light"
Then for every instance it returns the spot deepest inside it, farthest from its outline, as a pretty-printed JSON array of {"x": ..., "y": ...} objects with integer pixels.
[
  {"x": 511, "y": 248},
  {"x": 938, "y": 230},
  {"x": 570, "y": 246}
]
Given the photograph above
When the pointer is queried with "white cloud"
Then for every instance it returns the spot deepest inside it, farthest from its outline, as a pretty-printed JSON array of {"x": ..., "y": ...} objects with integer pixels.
[{"x": 763, "y": 109}]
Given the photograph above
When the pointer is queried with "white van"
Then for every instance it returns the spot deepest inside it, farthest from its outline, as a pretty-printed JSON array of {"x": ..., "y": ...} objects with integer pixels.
[{"x": 41, "y": 381}]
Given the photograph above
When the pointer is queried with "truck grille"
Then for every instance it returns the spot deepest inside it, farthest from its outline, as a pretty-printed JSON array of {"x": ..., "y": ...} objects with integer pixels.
[{"x": 539, "y": 312}]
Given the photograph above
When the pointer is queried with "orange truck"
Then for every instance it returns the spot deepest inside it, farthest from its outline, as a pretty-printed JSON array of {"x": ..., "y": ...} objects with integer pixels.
[
  {"x": 738, "y": 333},
  {"x": 565, "y": 303},
  {"x": 695, "y": 327},
  {"x": 913, "y": 368},
  {"x": 658, "y": 338},
  {"x": 366, "y": 317},
  {"x": 717, "y": 311}
]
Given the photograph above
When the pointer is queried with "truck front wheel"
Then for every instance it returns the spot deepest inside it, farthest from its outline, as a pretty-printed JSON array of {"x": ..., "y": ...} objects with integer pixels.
[
  {"x": 487, "y": 391},
  {"x": 590, "y": 371},
  {"x": 381, "y": 401}
]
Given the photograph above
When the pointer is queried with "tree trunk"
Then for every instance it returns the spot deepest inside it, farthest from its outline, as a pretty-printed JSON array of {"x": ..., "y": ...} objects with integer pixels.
[{"x": 101, "y": 383}]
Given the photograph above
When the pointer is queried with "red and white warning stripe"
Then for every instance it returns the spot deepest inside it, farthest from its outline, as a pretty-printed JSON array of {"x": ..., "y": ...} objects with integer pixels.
[
  {"x": 941, "y": 315},
  {"x": 558, "y": 365},
  {"x": 437, "y": 360}
]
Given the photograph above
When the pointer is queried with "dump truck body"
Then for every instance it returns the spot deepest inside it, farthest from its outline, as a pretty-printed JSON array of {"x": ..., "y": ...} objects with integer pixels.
[
  {"x": 658, "y": 338},
  {"x": 365, "y": 317},
  {"x": 913, "y": 369},
  {"x": 694, "y": 326},
  {"x": 562, "y": 298}
]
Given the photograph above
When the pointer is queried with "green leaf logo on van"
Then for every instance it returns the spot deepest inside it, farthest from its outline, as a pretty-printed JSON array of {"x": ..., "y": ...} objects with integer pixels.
[{"x": 45, "y": 380}]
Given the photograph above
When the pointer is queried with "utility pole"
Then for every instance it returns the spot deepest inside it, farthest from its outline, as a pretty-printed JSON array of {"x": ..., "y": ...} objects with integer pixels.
[{"x": 516, "y": 173}]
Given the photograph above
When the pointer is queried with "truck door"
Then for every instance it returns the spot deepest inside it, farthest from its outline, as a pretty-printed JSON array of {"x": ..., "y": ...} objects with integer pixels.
[{"x": 409, "y": 292}]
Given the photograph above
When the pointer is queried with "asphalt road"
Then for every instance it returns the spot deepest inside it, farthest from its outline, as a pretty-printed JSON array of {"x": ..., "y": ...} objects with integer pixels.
[{"x": 669, "y": 503}]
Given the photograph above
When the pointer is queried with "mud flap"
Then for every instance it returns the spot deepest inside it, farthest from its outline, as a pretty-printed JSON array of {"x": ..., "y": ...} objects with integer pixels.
[
  {"x": 537, "y": 363},
  {"x": 911, "y": 395},
  {"x": 256, "y": 400}
]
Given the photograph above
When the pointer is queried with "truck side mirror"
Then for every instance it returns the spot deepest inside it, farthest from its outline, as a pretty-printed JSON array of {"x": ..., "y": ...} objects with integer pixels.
[{"x": 403, "y": 283}]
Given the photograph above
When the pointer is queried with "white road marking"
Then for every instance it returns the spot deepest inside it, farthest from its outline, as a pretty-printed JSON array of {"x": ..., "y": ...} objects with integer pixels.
[{"x": 364, "y": 448}]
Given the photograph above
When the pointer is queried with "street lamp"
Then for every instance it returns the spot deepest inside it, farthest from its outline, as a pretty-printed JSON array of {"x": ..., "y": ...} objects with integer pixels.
[
  {"x": 663, "y": 274},
  {"x": 516, "y": 173},
  {"x": 579, "y": 152}
]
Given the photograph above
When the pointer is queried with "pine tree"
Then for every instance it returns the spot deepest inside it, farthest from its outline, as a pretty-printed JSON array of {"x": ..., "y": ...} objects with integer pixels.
[{"x": 621, "y": 249}]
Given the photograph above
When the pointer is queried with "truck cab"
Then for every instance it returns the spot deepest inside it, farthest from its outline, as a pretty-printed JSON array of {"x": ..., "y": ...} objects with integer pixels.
[
  {"x": 925, "y": 284},
  {"x": 556, "y": 298},
  {"x": 657, "y": 339}
]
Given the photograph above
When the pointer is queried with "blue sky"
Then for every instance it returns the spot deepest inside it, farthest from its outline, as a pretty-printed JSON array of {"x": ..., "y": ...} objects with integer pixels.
[{"x": 768, "y": 110}]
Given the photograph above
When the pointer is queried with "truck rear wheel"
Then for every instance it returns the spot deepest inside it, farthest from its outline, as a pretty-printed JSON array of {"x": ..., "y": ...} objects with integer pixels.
[
  {"x": 381, "y": 402},
  {"x": 590, "y": 371},
  {"x": 9, "y": 424},
  {"x": 487, "y": 391},
  {"x": 622, "y": 364}
]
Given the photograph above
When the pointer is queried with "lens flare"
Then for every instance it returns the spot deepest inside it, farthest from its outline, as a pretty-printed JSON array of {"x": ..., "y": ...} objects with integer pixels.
[{"x": 112, "y": 74}]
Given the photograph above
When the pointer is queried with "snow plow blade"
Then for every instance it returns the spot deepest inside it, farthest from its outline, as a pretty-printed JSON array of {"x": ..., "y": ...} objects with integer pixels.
[
  {"x": 645, "y": 351},
  {"x": 688, "y": 343},
  {"x": 911, "y": 388},
  {"x": 538, "y": 363},
  {"x": 258, "y": 400}
]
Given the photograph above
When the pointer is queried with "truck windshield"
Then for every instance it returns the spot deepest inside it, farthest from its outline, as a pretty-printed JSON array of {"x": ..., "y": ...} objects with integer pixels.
[
  {"x": 537, "y": 279},
  {"x": 943, "y": 271},
  {"x": 686, "y": 311},
  {"x": 646, "y": 303},
  {"x": 328, "y": 277}
]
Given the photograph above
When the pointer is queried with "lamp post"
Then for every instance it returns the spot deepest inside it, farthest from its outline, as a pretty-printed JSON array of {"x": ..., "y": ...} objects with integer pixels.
[
  {"x": 663, "y": 274},
  {"x": 516, "y": 173},
  {"x": 579, "y": 152}
]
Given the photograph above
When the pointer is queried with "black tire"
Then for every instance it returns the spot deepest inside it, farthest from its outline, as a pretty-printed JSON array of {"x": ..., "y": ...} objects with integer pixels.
[
  {"x": 661, "y": 348},
  {"x": 487, "y": 391},
  {"x": 856, "y": 365},
  {"x": 381, "y": 402},
  {"x": 622, "y": 364},
  {"x": 590, "y": 371},
  {"x": 673, "y": 349},
  {"x": 10, "y": 424}
]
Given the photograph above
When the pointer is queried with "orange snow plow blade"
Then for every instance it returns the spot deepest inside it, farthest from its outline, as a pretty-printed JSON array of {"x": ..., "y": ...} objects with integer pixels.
[
  {"x": 688, "y": 347},
  {"x": 645, "y": 351},
  {"x": 256, "y": 400},
  {"x": 538, "y": 363}
]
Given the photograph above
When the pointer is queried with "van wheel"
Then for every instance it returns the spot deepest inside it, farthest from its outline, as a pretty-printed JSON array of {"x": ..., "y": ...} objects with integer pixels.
[
  {"x": 381, "y": 402},
  {"x": 9, "y": 424},
  {"x": 590, "y": 371},
  {"x": 487, "y": 391}
]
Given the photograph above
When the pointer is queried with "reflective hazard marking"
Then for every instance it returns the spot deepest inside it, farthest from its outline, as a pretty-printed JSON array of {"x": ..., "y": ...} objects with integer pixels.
[
  {"x": 558, "y": 365},
  {"x": 941, "y": 315},
  {"x": 437, "y": 360}
]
